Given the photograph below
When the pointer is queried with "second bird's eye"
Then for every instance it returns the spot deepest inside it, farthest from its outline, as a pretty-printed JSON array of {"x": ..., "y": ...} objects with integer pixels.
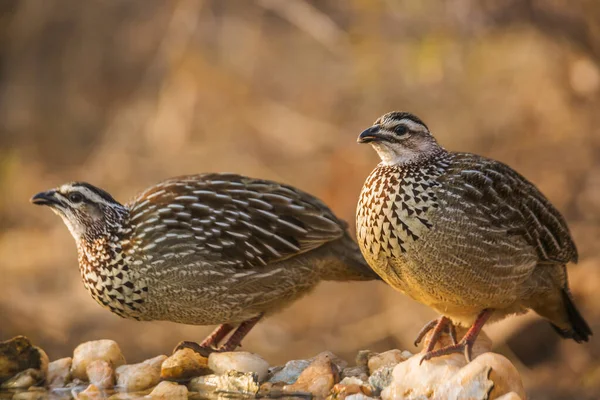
[
  {"x": 75, "y": 198},
  {"x": 400, "y": 130}
]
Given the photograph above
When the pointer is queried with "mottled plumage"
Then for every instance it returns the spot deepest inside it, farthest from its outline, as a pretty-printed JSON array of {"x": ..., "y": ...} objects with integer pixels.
[
  {"x": 205, "y": 249},
  {"x": 462, "y": 233}
]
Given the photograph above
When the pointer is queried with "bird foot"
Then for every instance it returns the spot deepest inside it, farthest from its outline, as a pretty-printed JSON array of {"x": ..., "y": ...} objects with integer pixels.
[
  {"x": 465, "y": 346},
  {"x": 440, "y": 325},
  {"x": 204, "y": 351}
]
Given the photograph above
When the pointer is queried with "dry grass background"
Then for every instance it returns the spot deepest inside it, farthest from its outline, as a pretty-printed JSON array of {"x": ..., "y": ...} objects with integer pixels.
[{"x": 125, "y": 93}]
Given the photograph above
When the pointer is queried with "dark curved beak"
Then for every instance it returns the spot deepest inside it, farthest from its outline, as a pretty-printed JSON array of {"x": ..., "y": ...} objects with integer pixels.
[
  {"x": 46, "y": 199},
  {"x": 369, "y": 135}
]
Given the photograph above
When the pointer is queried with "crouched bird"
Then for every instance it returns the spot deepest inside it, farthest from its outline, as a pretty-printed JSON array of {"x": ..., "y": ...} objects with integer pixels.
[
  {"x": 211, "y": 249},
  {"x": 463, "y": 234}
]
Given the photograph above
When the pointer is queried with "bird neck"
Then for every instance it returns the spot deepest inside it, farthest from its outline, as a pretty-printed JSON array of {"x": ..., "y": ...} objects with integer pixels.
[
  {"x": 102, "y": 237},
  {"x": 409, "y": 157}
]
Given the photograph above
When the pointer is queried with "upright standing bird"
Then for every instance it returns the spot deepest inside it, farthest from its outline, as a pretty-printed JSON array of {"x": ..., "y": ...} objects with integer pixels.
[
  {"x": 205, "y": 249},
  {"x": 463, "y": 234}
]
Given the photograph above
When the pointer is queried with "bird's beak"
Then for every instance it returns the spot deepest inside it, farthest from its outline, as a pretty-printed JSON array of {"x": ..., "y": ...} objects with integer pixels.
[
  {"x": 370, "y": 135},
  {"x": 46, "y": 199}
]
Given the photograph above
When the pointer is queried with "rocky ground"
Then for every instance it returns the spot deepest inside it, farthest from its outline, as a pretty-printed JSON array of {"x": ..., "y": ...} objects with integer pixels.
[{"x": 98, "y": 370}]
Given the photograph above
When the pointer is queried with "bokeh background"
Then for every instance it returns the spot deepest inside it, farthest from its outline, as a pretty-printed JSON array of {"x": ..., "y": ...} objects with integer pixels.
[{"x": 123, "y": 94}]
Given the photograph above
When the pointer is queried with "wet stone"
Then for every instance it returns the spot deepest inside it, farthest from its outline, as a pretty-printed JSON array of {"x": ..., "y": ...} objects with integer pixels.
[
  {"x": 24, "y": 379},
  {"x": 90, "y": 393},
  {"x": 229, "y": 382},
  {"x": 88, "y": 352},
  {"x": 240, "y": 361},
  {"x": 169, "y": 391},
  {"x": 17, "y": 355},
  {"x": 101, "y": 374},
  {"x": 141, "y": 376},
  {"x": 318, "y": 378},
  {"x": 290, "y": 371},
  {"x": 34, "y": 393},
  {"x": 184, "y": 364},
  {"x": 59, "y": 372}
]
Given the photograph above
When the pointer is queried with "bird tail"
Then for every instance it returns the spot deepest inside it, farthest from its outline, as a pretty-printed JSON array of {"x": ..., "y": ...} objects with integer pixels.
[{"x": 579, "y": 329}]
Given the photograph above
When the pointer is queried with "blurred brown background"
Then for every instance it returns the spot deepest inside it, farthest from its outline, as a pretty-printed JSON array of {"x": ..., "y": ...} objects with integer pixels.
[{"x": 125, "y": 93}]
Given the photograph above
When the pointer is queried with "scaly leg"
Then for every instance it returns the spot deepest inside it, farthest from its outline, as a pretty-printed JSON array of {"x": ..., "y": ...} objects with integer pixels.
[
  {"x": 442, "y": 322},
  {"x": 235, "y": 340},
  {"x": 207, "y": 345},
  {"x": 466, "y": 344}
]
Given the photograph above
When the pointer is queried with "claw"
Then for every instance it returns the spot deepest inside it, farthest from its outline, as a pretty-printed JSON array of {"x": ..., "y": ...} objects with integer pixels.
[
  {"x": 465, "y": 345},
  {"x": 204, "y": 351}
]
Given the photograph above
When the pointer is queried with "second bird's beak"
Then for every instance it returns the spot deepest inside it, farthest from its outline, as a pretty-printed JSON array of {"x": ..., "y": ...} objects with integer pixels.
[
  {"x": 46, "y": 199},
  {"x": 369, "y": 135}
]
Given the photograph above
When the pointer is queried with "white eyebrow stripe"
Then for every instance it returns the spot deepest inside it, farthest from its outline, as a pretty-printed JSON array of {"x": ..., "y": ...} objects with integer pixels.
[{"x": 412, "y": 125}]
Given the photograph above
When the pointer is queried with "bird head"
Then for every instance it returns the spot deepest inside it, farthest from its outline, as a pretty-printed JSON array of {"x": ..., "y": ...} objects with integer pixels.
[
  {"x": 400, "y": 138},
  {"x": 89, "y": 212}
]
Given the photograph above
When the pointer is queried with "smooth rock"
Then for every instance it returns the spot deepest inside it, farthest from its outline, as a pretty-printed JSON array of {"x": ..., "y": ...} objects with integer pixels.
[
  {"x": 141, "y": 376},
  {"x": 169, "y": 391},
  {"x": 38, "y": 394},
  {"x": 290, "y": 372},
  {"x": 59, "y": 372},
  {"x": 386, "y": 359},
  {"x": 359, "y": 396},
  {"x": 350, "y": 386},
  {"x": 241, "y": 361},
  {"x": 90, "y": 393},
  {"x": 318, "y": 378},
  {"x": 88, "y": 352},
  {"x": 381, "y": 379},
  {"x": 503, "y": 374},
  {"x": 100, "y": 373},
  {"x": 412, "y": 381},
  {"x": 24, "y": 379},
  {"x": 230, "y": 382},
  {"x": 18, "y": 354},
  {"x": 360, "y": 371},
  {"x": 472, "y": 386},
  {"x": 487, "y": 377},
  {"x": 184, "y": 364}
]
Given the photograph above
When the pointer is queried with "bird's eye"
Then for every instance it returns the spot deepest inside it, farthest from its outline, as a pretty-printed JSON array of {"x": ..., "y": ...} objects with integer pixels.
[
  {"x": 75, "y": 198},
  {"x": 400, "y": 130}
]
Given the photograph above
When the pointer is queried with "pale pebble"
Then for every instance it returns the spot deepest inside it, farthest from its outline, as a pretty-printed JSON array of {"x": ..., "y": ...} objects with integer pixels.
[
  {"x": 88, "y": 352},
  {"x": 141, "y": 376},
  {"x": 169, "y": 391},
  {"x": 388, "y": 358},
  {"x": 240, "y": 361},
  {"x": 59, "y": 372},
  {"x": 100, "y": 373},
  {"x": 504, "y": 374}
]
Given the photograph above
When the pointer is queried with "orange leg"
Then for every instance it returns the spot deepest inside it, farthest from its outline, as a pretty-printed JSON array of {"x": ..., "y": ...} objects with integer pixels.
[{"x": 466, "y": 344}]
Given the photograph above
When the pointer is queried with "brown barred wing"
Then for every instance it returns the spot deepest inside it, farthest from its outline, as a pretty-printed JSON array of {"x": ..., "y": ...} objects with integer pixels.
[
  {"x": 511, "y": 202},
  {"x": 231, "y": 219}
]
